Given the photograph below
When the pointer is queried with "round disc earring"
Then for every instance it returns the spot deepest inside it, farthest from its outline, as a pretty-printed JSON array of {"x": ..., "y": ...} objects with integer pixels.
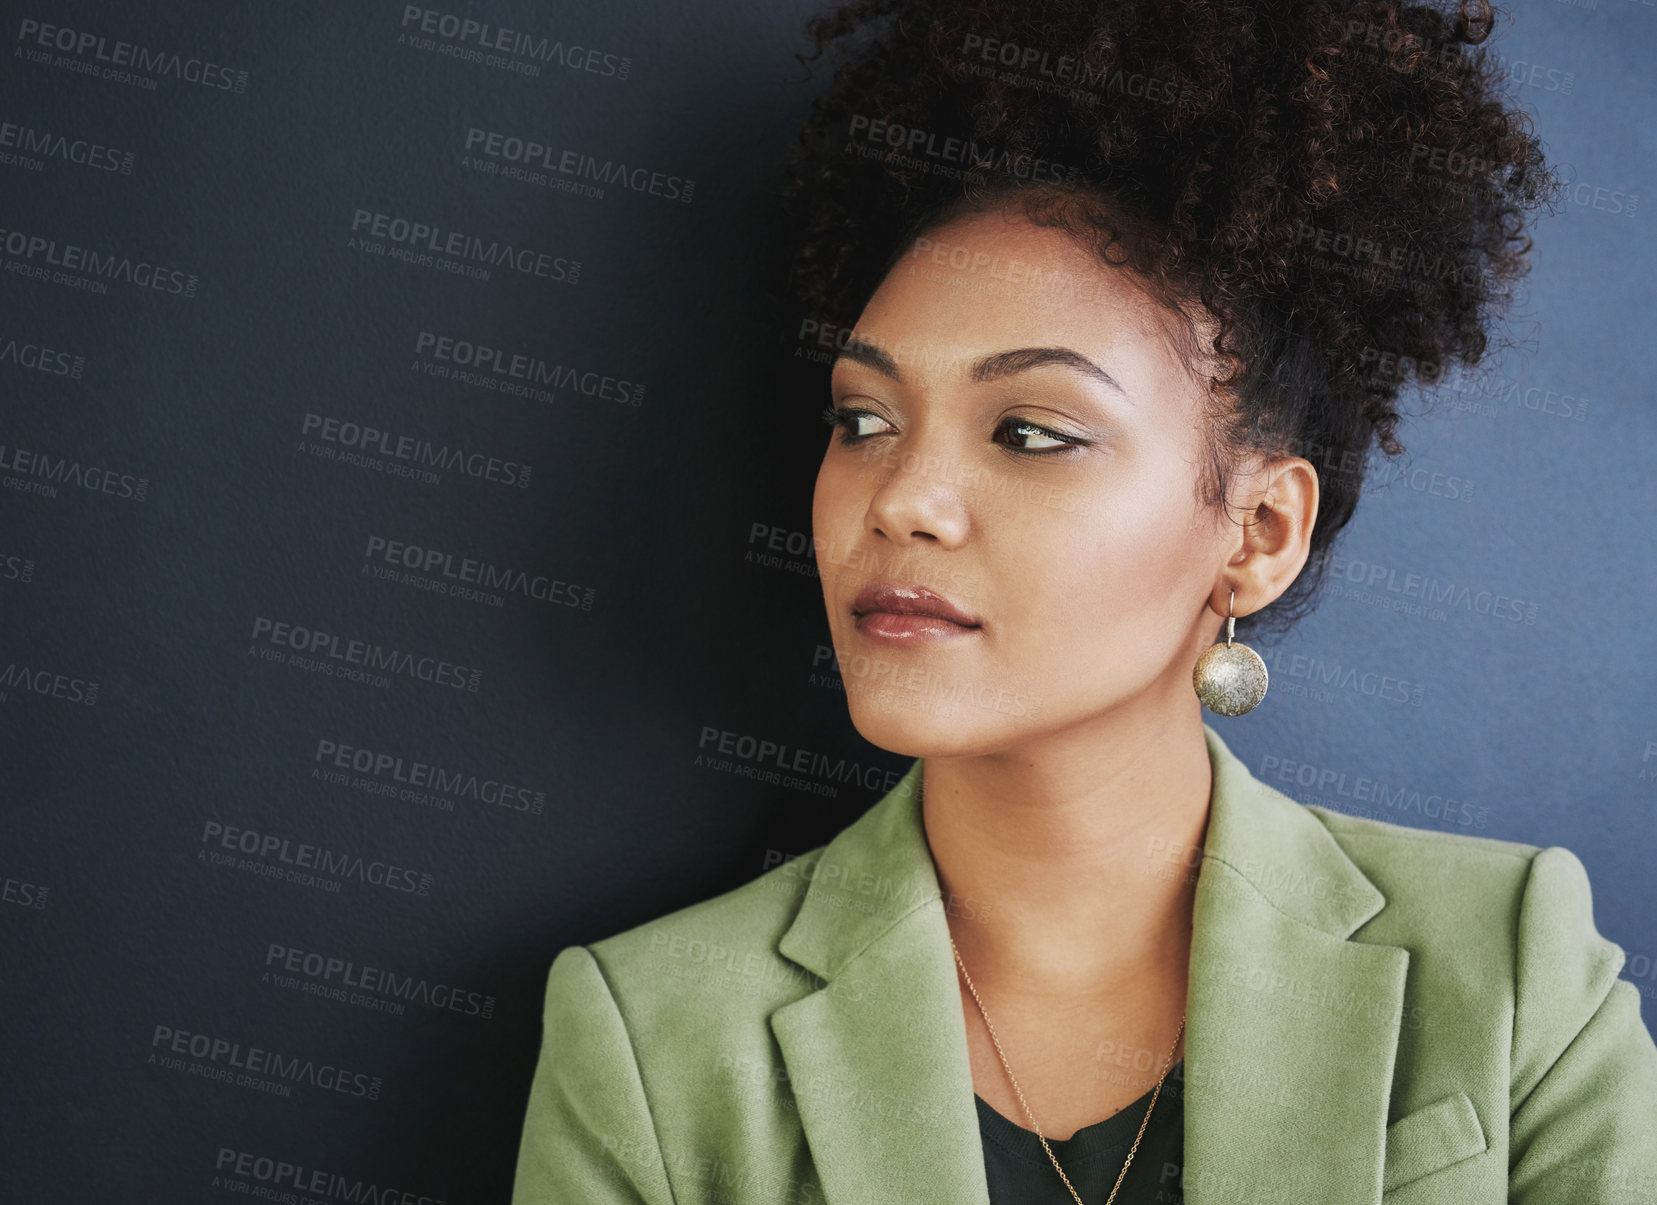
[{"x": 1230, "y": 678}]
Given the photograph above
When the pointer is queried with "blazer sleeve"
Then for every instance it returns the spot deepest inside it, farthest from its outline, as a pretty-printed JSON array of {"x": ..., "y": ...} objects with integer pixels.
[
  {"x": 588, "y": 1137},
  {"x": 1583, "y": 1126}
]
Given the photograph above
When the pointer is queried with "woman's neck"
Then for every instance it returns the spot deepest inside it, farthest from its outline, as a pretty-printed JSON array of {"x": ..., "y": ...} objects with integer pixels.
[{"x": 1069, "y": 865}]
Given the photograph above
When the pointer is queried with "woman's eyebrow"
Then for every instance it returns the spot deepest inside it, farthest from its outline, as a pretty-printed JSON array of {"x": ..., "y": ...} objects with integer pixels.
[
  {"x": 992, "y": 367},
  {"x": 1022, "y": 359}
]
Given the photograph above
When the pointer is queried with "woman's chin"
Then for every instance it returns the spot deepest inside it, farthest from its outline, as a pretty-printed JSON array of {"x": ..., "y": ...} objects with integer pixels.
[{"x": 911, "y": 725}]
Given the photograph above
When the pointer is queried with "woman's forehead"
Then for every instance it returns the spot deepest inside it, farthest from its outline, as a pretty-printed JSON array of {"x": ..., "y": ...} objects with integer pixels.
[{"x": 981, "y": 286}]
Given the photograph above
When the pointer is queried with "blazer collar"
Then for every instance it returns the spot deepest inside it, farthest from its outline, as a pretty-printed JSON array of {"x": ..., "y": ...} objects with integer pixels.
[{"x": 1291, "y": 1029}]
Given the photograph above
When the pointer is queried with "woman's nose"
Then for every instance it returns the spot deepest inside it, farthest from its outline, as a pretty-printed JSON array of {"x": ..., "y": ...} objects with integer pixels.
[{"x": 918, "y": 498}]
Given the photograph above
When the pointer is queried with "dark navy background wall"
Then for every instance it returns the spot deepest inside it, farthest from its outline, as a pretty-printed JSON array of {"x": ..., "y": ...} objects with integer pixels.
[{"x": 384, "y": 534}]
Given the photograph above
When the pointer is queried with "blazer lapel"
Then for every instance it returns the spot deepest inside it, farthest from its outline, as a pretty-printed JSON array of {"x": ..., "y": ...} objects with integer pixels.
[
  {"x": 1290, "y": 1035},
  {"x": 877, "y": 1058},
  {"x": 1291, "y": 1029}
]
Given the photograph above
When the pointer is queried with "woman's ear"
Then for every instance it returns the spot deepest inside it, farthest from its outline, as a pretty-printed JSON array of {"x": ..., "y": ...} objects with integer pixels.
[{"x": 1274, "y": 506}]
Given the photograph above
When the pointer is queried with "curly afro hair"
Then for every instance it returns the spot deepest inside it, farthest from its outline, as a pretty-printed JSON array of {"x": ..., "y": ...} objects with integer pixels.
[{"x": 1337, "y": 189}]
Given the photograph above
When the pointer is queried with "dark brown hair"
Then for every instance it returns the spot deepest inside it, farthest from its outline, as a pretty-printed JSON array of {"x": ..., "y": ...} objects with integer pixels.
[{"x": 1341, "y": 186}]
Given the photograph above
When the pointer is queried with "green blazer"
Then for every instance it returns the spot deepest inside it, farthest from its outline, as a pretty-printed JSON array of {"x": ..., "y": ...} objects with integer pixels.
[{"x": 1376, "y": 1014}]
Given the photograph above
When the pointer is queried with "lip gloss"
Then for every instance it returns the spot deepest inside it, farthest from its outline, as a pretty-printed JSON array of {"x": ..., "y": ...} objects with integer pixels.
[{"x": 889, "y": 628}]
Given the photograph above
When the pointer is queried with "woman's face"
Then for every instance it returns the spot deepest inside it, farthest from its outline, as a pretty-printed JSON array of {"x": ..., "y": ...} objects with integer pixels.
[{"x": 1026, "y": 446}]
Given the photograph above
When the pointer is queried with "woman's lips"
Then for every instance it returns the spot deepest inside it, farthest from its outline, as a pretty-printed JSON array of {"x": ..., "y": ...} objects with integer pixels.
[
  {"x": 901, "y": 614},
  {"x": 887, "y": 627}
]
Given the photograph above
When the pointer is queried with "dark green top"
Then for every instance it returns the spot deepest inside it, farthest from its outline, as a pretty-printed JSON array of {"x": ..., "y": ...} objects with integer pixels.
[{"x": 1020, "y": 1173}]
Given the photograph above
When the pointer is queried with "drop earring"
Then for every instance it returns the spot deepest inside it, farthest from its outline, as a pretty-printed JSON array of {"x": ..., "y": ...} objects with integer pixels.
[{"x": 1230, "y": 678}]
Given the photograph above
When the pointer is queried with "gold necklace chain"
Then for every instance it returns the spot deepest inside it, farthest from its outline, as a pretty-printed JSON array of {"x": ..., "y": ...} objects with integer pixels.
[{"x": 1166, "y": 1066}]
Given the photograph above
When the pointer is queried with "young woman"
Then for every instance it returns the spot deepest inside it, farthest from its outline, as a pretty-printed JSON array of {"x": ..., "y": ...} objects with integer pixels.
[{"x": 1131, "y": 291}]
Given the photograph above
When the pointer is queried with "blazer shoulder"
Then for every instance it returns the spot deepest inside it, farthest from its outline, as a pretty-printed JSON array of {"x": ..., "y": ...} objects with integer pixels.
[
  {"x": 1450, "y": 892},
  {"x": 1361, "y": 836},
  {"x": 1525, "y": 910},
  {"x": 717, "y": 955}
]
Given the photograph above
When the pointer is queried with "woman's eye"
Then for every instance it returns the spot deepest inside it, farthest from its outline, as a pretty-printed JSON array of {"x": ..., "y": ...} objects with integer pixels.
[
  {"x": 857, "y": 425},
  {"x": 1044, "y": 440},
  {"x": 849, "y": 422}
]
